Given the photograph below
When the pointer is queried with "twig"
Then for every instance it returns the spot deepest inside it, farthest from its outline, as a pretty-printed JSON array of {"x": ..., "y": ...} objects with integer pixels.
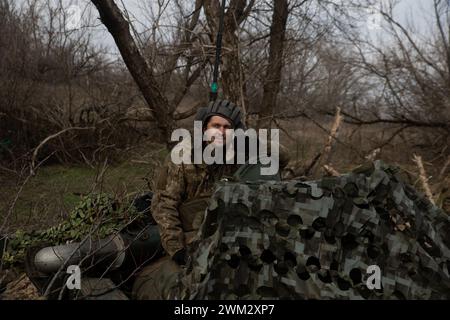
[
  {"x": 324, "y": 157},
  {"x": 284, "y": 130},
  {"x": 333, "y": 134},
  {"x": 312, "y": 164},
  {"x": 331, "y": 171},
  {"x": 63, "y": 265},
  {"x": 8, "y": 170},
  {"x": 36, "y": 151},
  {"x": 444, "y": 168},
  {"x": 140, "y": 162},
  {"x": 305, "y": 115},
  {"x": 188, "y": 113},
  {"x": 423, "y": 178},
  {"x": 372, "y": 156},
  {"x": 388, "y": 140},
  {"x": 16, "y": 198}
]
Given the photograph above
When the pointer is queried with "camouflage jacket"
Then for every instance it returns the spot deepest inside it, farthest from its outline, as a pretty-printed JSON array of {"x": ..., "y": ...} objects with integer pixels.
[
  {"x": 182, "y": 195},
  {"x": 316, "y": 240},
  {"x": 180, "y": 199}
]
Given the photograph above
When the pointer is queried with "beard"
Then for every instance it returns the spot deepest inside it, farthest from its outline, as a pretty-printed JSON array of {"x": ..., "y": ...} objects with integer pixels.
[{"x": 218, "y": 141}]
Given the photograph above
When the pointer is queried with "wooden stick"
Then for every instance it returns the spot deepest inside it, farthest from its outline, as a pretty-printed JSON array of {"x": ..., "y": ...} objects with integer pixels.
[
  {"x": 324, "y": 157},
  {"x": 36, "y": 151},
  {"x": 372, "y": 156},
  {"x": 333, "y": 134},
  {"x": 444, "y": 168},
  {"x": 331, "y": 171},
  {"x": 423, "y": 178}
]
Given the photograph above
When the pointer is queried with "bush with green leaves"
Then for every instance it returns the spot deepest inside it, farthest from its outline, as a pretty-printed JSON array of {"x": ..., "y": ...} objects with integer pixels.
[{"x": 97, "y": 215}]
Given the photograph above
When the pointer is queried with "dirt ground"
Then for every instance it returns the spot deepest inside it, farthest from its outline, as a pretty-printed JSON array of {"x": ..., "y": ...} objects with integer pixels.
[{"x": 21, "y": 289}]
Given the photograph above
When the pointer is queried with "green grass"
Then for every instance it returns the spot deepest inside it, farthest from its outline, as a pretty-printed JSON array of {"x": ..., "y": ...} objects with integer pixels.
[{"x": 48, "y": 197}]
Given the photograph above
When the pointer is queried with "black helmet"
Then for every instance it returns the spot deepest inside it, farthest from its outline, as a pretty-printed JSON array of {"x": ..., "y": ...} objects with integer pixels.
[{"x": 223, "y": 108}]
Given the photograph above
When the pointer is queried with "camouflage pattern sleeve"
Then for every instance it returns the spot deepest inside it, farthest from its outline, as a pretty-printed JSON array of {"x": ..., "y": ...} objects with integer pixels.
[{"x": 164, "y": 208}]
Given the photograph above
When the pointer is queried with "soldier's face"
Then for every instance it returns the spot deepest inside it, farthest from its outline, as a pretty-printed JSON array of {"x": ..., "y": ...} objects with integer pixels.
[{"x": 217, "y": 130}]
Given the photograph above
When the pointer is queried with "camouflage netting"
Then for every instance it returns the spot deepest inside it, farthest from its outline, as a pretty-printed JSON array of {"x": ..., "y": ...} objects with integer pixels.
[
  {"x": 98, "y": 215},
  {"x": 315, "y": 240}
]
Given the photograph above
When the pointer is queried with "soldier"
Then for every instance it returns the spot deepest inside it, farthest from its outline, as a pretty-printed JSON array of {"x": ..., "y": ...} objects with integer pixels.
[{"x": 179, "y": 203}]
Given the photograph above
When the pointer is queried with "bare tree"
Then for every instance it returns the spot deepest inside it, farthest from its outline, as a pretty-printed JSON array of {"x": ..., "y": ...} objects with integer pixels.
[
  {"x": 273, "y": 72},
  {"x": 411, "y": 72},
  {"x": 233, "y": 77},
  {"x": 119, "y": 28}
]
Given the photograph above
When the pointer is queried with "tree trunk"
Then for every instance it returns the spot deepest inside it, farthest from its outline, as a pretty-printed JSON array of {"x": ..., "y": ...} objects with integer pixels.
[
  {"x": 273, "y": 72},
  {"x": 233, "y": 79},
  {"x": 112, "y": 18}
]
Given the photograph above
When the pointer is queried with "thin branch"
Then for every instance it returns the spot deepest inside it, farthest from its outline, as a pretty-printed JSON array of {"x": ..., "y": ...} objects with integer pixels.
[
  {"x": 331, "y": 171},
  {"x": 186, "y": 114},
  {"x": 36, "y": 151},
  {"x": 423, "y": 178}
]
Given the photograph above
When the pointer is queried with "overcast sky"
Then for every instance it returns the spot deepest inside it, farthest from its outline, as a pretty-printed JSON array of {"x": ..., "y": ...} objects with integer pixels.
[{"x": 408, "y": 12}]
